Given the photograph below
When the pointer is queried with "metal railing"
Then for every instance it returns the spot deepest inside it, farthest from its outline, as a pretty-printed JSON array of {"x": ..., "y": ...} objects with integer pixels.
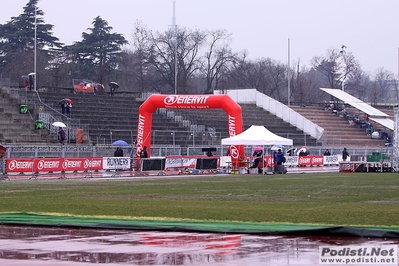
[
  {"x": 48, "y": 114},
  {"x": 82, "y": 151}
]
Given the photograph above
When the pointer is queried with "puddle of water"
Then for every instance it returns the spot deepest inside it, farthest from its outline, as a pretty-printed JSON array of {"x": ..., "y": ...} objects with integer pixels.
[{"x": 25, "y": 245}]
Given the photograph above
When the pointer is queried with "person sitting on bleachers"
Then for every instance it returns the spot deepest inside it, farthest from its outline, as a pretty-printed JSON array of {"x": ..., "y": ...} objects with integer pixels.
[
  {"x": 383, "y": 135},
  {"x": 356, "y": 119},
  {"x": 325, "y": 108},
  {"x": 344, "y": 114},
  {"x": 376, "y": 134},
  {"x": 366, "y": 125},
  {"x": 334, "y": 109},
  {"x": 370, "y": 130},
  {"x": 388, "y": 141}
]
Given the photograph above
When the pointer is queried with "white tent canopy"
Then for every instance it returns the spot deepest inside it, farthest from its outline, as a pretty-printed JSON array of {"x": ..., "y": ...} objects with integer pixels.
[{"x": 257, "y": 135}]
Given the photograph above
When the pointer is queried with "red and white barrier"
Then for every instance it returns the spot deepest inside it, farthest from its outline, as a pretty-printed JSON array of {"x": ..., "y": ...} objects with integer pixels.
[{"x": 51, "y": 165}]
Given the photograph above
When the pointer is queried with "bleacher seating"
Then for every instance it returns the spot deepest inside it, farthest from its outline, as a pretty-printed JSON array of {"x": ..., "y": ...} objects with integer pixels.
[
  {"x": 216, "y": 120},
  {"x": 338, "y": 131},
  {"x": 17, "y": 127},
  {"x": 109, "y": 118}
]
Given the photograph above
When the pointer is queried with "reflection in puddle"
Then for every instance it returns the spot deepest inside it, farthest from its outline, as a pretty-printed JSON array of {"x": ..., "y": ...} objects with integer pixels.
[{"x": 26, "y": 245}]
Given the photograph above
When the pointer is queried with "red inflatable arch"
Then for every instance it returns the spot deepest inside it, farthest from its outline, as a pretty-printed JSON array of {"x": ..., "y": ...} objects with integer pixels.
[{"x": 220, "y": 101}]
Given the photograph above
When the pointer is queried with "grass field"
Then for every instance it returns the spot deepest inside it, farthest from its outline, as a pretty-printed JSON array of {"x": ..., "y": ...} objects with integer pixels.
[{"x": 317, "y": 198}]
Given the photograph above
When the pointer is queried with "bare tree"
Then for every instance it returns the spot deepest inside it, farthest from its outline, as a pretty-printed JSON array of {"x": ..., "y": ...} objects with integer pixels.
[
  {"x": 249, "y": 74},
  {"x": 180, "y": 46},
  {"x": 359, "y": 85},
  {"x": 144, "y": 49},
  {"x": 277, "y": 74},
  {"x": 217, "y": 58},
  {"x": 384, "y": 84},
  {"x": 265, "y": 75},
  {"x": 306, "y": 85}
]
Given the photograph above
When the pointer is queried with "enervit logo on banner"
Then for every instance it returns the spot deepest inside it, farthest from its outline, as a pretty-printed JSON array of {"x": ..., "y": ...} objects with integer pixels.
[
  {"x": 140, "y": 134},
  {"x": 234, "y": 153},
  {"x": 352, "y": 255},
  {"x": 71, "y": 164},
  {"x": 232, "y": 126},
  {"x": 92, "y": 163},
  {"x": 47, "y": 164},
  {"x": 188, "y": 99},
  {"x": 15, "y": 165}
]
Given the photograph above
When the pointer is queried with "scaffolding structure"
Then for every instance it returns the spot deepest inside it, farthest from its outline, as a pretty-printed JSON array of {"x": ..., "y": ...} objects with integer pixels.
[{"x": 395, "y": 155}]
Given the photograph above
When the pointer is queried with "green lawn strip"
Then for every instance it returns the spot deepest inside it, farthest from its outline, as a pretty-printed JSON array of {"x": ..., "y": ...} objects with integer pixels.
[
  {"x": 53, "y": 219},
  {"x": 369, "y": 199}
]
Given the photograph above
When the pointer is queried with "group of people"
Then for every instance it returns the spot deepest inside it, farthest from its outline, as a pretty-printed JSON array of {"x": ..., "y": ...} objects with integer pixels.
[
  {"x": 278, "y": 156},
  {"x": 119, "y": 153},
  {"x": 66, "y": 108},
  {"x": 345, "y": 154},
  {"x": 98, "y": 88},
  {"x": 278, "y": 159},
  {"x": 29, "y": 81},
  {"x": 356, "y": 121},
  {"x": 143, "y": 153}
]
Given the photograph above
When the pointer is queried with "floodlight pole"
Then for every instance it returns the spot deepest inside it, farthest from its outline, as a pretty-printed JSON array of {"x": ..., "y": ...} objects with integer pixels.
[
  {"x": 35, "y": 61},
  {"x": 174, "y": 28},
  {"x": 289, "y": 75}
]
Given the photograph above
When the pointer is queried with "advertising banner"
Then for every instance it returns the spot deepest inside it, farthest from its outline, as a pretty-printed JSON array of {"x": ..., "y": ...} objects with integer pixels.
[{"x": 116, "y": 163}]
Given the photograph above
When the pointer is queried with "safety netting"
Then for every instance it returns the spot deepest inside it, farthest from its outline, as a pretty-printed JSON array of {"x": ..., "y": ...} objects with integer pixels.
[{"x": 62, "y": 220}]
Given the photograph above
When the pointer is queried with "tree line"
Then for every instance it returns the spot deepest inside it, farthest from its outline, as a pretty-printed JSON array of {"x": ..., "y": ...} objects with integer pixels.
[{"x": 179, "y": 60}]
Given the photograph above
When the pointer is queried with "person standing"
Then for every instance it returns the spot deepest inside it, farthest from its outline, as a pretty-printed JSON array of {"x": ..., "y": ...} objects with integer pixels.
[
  {"x": 63, "y": 107},
  {"x": 112, "y": 90},
  {"x": 345, "y": 154},
  {"x": 31, "y": 81},
  {"x": 68, "y": 109},
  {"x": 257, "y": 154},
  {"x": 2, "y": 152},
  {"x": 292, "y": 152},
  {"x": 278, "y": 161},
  {"x": 277, "y": 157},
  {"x": 144, "y": 153},
  {"x": 61, "y": 135},
  {"x": 26, "y": 83},
  {"x": 327, "y": 153},
  {"x": 118, "y": 152}
]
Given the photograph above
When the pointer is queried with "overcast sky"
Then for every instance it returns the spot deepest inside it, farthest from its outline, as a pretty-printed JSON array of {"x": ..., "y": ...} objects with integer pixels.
[{"x": 368, "y": 28}]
